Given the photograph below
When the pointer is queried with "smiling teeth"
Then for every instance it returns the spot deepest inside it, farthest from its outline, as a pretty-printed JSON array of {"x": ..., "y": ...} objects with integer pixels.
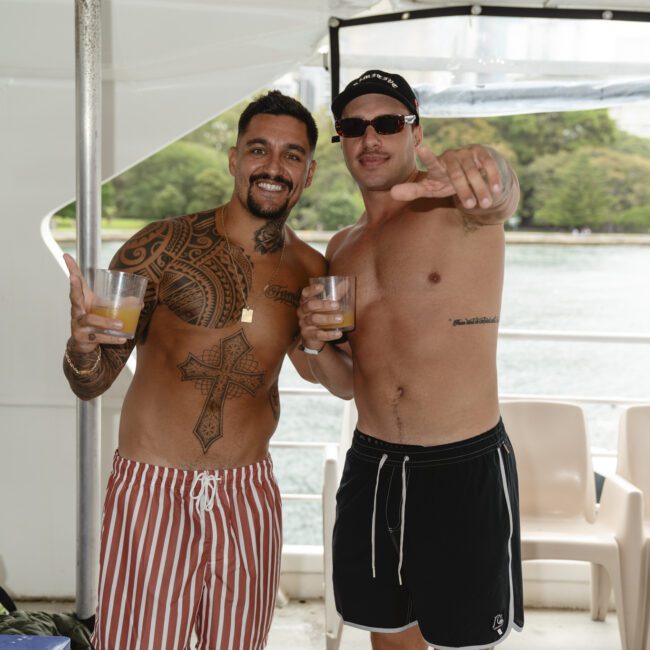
[{"x": 270, "y": 187}]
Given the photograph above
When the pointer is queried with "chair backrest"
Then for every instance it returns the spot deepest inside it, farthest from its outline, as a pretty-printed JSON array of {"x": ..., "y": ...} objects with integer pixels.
[
  {"x": 556, "y": 478},
  {"x": 634, "y": 450}
]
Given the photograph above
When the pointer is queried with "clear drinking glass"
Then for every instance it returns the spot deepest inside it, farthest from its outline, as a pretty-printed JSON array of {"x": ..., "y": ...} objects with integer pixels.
[
  {"x": 119, "y": 296},
  {"x": 342, "y": 289}
]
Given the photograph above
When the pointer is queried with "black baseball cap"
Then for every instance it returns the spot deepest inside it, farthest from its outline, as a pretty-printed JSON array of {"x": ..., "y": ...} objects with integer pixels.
[{"x": 380, "y": 82}]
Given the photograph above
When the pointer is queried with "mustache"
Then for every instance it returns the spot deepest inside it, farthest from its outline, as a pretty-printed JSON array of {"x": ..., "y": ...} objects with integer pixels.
[
  {"x": 276, "y": 179},
  {"x": 372, "y": 150}
]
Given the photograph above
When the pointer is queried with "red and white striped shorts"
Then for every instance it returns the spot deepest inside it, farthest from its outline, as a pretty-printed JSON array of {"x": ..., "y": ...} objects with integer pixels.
[{"x": 188, "y": 550}]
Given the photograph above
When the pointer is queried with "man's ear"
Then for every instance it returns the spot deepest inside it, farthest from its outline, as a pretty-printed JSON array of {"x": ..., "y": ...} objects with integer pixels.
[
  {"x": 417, "y": 135},
  {"x": 232, "y": 160},
  {"x": 310, "y": 172}
]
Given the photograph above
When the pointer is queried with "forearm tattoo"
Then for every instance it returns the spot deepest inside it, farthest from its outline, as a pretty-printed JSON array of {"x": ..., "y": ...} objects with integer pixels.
[
  {"x": 225, "y": 370},
  {"x": 476, "y": 320},
  {"x": 112, "y": 361}
]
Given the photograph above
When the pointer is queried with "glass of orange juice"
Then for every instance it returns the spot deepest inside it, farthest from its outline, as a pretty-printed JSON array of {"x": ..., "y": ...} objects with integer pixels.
[
  {"x": 119, "y": 296},
  {"x": 340, "y": 288}
]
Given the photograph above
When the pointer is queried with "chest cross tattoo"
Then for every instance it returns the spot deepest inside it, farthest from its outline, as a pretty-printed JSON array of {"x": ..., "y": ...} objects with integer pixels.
[{"x": 226, "y": 370}]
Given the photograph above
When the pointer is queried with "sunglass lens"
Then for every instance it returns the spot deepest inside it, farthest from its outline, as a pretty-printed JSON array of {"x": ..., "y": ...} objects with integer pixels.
[
  {"x": 351, "y": 127},
  {"x": 388, "y": 124}
]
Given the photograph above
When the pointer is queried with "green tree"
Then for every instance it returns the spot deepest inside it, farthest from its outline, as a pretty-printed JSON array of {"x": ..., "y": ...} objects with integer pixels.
[
  {"x": 168, "y": 202},
  {"x": 108, "y": 204},
  {"x": 624, "y": 180},
  {"x": 212, "y": 188},
  {"x": 633, "y": 220},
  {"x": 442, "y": 134},
  {"x": 627, "y": 176},
  {"x": 179, "y": 165},
  {"x": 539, "y": 134},
  {"x": 580, "y": 199},
  {"x": 545, "y": 149},
  {"x": 631, "y": 144}
]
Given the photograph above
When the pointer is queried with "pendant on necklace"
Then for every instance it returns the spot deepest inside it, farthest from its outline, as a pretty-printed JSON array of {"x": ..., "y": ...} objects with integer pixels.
[{"x": 246, "y": 315}]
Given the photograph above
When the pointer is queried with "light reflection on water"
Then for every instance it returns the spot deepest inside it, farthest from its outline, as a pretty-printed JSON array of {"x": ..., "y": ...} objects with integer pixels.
[{"x": 549, "y": 287}]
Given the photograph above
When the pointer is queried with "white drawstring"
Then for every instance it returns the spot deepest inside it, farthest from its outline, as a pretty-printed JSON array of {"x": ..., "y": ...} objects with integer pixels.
[
  {"x": 401, "y": 536},
  {"x": 207, "y": 492},
  {"x": 374, "y": 513}
]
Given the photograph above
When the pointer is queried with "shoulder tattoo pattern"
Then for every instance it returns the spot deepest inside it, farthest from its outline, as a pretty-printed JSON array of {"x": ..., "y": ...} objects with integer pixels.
[{"x": 201, "y": 286}]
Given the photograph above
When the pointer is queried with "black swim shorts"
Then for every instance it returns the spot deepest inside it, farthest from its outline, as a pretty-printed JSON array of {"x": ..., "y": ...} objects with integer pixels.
[{"x": 430, "y": 536}]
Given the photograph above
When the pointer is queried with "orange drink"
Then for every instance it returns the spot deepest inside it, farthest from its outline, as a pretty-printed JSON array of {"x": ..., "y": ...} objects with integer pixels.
[
  {"x": 118, "y": 296},
  {"x": 129, "y": 316},
  {"x": 346, "y": 324},
  {"x": 339, "y": 288}
]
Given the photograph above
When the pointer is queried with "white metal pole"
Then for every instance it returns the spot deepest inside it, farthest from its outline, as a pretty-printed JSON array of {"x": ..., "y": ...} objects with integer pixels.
[{"x": 88, "y": 117}]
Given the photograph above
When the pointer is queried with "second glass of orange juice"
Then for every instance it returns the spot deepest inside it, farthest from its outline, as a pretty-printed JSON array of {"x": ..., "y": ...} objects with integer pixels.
[{"x": 342, "y": 289}]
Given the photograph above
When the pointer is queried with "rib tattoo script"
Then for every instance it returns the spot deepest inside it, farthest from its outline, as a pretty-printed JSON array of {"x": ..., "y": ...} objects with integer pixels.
[
  {"x": 226, "y": 370},
  {"x": 477, "y": 320},
  {"x": 280, "y": 293}
]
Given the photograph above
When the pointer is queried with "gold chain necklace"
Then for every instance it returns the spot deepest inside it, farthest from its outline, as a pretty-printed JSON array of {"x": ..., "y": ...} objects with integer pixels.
[{"x": 247, "y": 310}]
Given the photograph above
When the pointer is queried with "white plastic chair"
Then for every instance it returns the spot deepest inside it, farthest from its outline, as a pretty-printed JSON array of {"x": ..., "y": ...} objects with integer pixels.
[
  {"x": 334, "y": 460},
  {"x": 634, "y": 465},
  {"x": 558, "y": 505}
]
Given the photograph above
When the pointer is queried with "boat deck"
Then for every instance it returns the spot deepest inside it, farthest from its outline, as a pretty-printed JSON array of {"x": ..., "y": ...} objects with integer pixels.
[{"x": 300, "y": 625}]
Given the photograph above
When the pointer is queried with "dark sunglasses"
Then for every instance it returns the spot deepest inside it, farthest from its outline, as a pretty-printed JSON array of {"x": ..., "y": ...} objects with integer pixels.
[{"x": 355, "y": 127}]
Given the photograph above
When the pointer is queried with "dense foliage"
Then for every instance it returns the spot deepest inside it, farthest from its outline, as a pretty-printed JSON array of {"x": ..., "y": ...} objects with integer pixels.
[{"x": 577, "y": 170}]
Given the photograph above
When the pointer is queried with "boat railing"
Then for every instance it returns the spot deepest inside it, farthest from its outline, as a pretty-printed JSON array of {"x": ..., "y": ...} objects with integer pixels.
[{"x": 508, "y": 334}]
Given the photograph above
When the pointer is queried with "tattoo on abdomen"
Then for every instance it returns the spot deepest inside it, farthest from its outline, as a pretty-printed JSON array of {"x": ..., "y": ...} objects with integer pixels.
[
  {"x": 477, "y": 320},
  {"x": 280, "y": 293},
  {"x": 227, "y": 370},
  {"x": 274, "y": 398}
]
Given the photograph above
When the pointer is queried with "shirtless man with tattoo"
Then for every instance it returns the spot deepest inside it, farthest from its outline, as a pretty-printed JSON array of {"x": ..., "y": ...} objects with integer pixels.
[
  {"x": 426, "y": 541},
  {"x": 191, "y": 534}
]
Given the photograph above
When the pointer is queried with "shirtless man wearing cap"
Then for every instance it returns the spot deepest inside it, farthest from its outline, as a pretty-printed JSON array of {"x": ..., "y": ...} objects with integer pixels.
[{"x": 426, "y": 541}]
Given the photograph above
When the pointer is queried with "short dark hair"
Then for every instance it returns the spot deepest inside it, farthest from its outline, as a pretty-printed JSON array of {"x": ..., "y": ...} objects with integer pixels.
[{"x": 275, "y": 103}]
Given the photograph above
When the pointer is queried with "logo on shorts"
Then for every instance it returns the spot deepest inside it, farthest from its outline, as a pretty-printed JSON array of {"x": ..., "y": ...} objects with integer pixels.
[{"x": 498, "y": 623}]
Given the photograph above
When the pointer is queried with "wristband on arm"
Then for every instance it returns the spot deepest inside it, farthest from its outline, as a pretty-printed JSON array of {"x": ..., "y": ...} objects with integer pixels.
[{"x": 313, "y": 351}]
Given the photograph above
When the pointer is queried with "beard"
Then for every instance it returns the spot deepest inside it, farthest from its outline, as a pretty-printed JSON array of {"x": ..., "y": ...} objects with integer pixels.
[{"x": 270, "y": 214}]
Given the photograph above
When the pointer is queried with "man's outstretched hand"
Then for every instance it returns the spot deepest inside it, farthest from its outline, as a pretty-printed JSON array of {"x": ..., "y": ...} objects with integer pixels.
[{"x": 470, "y": 173}]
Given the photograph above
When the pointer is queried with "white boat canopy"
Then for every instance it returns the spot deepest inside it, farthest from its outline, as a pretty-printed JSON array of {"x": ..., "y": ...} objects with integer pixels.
[{"x": 503, "y": 58}]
